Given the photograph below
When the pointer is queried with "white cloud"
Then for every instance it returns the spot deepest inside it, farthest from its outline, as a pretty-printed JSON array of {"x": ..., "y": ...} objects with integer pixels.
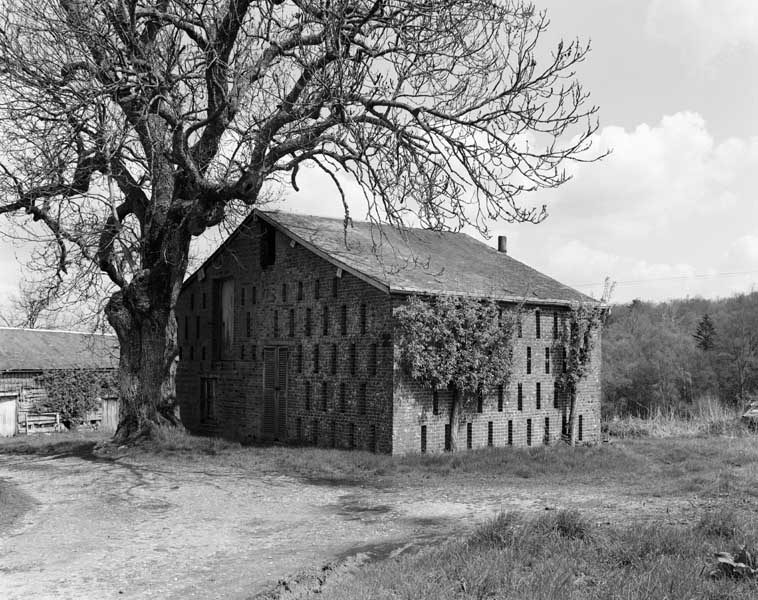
[
  {"x": 665, "y": 214},
  {"x": 703, "y": 29}
]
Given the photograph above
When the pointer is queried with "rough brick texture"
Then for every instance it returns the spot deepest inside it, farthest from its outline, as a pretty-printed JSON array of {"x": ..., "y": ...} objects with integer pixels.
[
  {"x": 237, "y": 406},
  {"x": 414, "y": 404},
  {"x": 369, "y": 403}
]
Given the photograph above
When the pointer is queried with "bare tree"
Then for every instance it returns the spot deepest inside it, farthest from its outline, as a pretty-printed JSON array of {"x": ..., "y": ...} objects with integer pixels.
[{"x": 130, "y": 126}]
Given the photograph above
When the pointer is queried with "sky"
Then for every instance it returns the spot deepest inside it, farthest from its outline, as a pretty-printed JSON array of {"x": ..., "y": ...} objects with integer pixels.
[{"x": 672, "y": 211}]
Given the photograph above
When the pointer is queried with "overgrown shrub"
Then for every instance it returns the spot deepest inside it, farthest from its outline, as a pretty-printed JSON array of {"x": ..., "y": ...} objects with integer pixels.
[{"x": 74, "y": 392}]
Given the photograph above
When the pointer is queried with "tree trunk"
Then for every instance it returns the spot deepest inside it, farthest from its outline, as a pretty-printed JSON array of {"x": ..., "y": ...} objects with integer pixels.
[
  {"x": 455, "y": 417},
  {"x": 147, "y": 368}
]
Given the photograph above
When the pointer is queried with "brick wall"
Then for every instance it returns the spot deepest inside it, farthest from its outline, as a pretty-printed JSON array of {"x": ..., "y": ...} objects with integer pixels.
[
  {"x": 358, "y": 398},
  {"x": 414, "y": 404},
  {"x": 369, "y": 404}
]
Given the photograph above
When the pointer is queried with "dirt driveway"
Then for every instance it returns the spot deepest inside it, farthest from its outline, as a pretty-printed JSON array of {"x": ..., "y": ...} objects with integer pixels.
[{"x": 130, "y": 529}]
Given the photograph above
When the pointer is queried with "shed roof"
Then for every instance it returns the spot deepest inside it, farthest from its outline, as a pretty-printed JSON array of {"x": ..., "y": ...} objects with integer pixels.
[
  {"x": 45, "y": 349},
  {"x": 423, "y": 261}
]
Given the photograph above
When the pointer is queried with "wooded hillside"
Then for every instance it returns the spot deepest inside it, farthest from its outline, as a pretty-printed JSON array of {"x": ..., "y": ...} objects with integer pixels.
[{"x": 673, "y": 355}]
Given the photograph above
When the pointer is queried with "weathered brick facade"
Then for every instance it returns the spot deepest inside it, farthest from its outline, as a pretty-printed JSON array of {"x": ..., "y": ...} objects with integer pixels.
[{"x": 309, "y": 358}]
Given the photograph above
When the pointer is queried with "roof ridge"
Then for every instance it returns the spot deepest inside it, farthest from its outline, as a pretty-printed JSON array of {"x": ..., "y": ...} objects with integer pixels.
[{"x": 56, "y": 331}]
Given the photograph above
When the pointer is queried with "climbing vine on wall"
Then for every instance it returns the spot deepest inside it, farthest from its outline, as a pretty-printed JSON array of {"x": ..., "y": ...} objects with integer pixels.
[
  {"x": 578, "y": 335},
  {"x": 464, "y": 344}
]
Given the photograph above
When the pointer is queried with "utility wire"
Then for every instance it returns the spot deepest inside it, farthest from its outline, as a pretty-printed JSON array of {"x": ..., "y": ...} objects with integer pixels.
[{"x": 674, "y": 278}]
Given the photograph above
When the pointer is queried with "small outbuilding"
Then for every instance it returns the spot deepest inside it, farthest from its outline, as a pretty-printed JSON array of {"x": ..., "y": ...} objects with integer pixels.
[{"x": 26, "y": 355}]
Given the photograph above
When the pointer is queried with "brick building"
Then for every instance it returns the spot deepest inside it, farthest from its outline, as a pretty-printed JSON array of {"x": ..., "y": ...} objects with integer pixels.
[{"x": 286, "y": 333}]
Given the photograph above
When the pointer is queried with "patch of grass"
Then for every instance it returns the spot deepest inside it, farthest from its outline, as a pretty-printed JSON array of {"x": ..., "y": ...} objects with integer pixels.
[
  {"x": 559, "y": 556},
  {"x": 52, "y": 444}
]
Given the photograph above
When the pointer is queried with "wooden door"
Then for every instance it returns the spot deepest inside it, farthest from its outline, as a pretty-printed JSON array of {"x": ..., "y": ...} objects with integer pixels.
[
  {"x": 8, "y": 406},
  {"x": 275, "y": 369}
]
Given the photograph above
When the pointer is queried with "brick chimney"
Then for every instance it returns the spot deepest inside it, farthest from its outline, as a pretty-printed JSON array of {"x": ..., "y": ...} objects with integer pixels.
[{"x": 502, "y": 244}]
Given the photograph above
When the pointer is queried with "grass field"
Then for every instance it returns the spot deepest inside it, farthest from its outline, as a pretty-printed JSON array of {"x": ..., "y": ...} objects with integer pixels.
[{"x": 551, "y": 554}]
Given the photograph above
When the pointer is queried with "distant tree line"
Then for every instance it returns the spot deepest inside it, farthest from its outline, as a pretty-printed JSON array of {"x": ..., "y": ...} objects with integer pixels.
[{"x": 670, "y": 356}]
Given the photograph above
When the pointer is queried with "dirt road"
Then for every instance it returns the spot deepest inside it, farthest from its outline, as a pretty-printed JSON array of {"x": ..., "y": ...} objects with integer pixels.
[{"x": 125, "y": 529}]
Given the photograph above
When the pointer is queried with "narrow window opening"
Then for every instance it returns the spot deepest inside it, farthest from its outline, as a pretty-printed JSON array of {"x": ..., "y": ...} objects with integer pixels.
[
  {"x": 490, "y": 434},
  {"x": 520, "y": 397},
  {"x": 248, "y": 324},
  {"x": 335, "y": 286},
  {"x": 291, "y": 326},
  {"x": 555, "y": 325},
  {"x": 547, "y": 360},
  {"x": 500, "y": 397},
  {"x": 580, "y": 433},
  {"x": 469, "y": 436},
  {"x": 307, "y": 322},
  {"x": 307, "y": 396},
  {"x": 547, "y": 431},
  {"x": 299, "y": 290},
  {"x": 510, "y": 433},
  {"x": 363, "y": 318},
  {"x": 528, "y": 360},
  {"x": 435, "y": 402},
  {"x": 325, "y": 318},
  {"x": 520, "y": 327},
  {"x": 284, "y": 292},
  {"x": 528, "y": 432},
  {"x": 537, "y": 324},
  {"x": 480, "y": 402},
  {"x": 556, "y": 394},
  {"x": 448, "y": 440},
  {"x": 538, "y": 395},
  {"x": 423, "y": 439},
  {"x": 565, "y": 360},
  {"x": 317, "y": 289},
  {"x": 316, "y": 358},
  {"x": 254, "y": 295}
]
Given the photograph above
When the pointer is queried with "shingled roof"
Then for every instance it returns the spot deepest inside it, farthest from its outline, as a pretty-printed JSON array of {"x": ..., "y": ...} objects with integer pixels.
[
  {"x": 44, "y": 349},
  {"x": 422, "y": 261}
]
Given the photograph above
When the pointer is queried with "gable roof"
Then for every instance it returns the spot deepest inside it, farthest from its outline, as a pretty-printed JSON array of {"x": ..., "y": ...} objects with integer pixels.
[
  {"x": 416, "y": 261},
  {"x": 45, "y": 349}
]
